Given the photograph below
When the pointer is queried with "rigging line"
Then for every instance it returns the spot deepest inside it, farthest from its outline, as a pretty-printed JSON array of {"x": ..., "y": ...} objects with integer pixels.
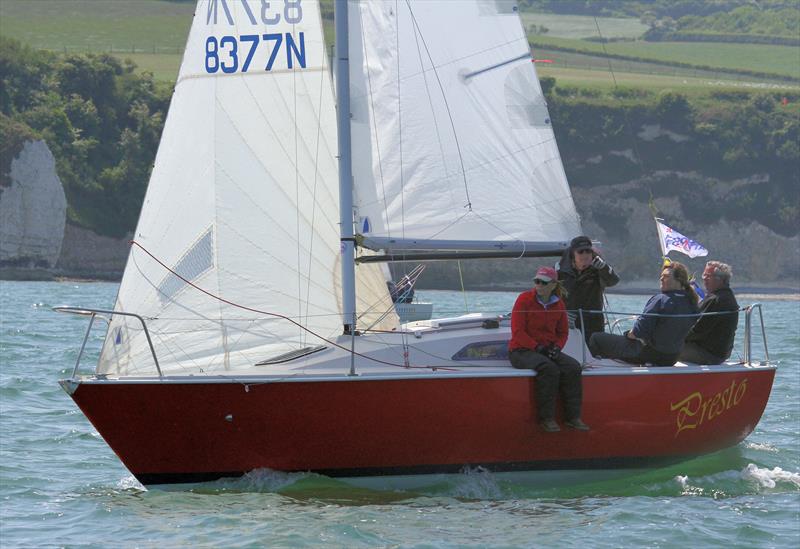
[
  {"x": 540, "y": 206},
  {"x": 382, "y": 301},
  {"x": 289, "y": 319},
  {"x": 158, "y": 292},
  {"x": 625, "y": 111},
  {"x": 283, "y": 192},
  {"x": 270, "y": 255},
  {"x": 259, "y": 205},
  {"x": 524, "y": 244},
  {"x": 297, "y": 198},
  {"x": 273, "y": 290},
  {"x": 400, "y": 126},
  {"x": 314, "y": 192},
  {"x": 446, "y": 104},
  {"x": 463, "y": 57},
  {"x": 433, "y": 113},
  {"x": 463, "y": 291},
  {"x": 403, "y": 337},
  {"x": 374, "y": 125},
  {"x": 167, "y": 346},
  {"x": 486, "y": 164},
  {"x": 451, "y": 224},
  {"x": 605, "y": 53},
  {"x": 266, "y": 119}
]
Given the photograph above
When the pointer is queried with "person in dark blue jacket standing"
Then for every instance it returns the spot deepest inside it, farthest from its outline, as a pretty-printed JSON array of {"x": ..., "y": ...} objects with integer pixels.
[{"x": 655, "y": 339}]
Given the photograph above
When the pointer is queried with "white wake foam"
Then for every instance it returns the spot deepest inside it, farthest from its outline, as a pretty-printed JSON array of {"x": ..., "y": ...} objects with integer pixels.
[
  {"x": 769, "y": 478},
  {"x": 267, "y": 480},
  {"x": 476, "y": 483}
]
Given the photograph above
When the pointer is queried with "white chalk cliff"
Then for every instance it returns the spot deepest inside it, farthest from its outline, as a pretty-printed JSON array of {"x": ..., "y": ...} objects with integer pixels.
[{"x": 33, "y": 210}]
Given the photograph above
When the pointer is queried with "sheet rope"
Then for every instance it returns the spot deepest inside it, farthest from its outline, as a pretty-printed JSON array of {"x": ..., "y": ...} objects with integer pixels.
[{"x": 278, "y": 315}]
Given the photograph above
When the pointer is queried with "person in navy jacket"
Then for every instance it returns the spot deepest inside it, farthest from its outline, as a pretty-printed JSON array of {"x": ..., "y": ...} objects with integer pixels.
[
  {"x": 539, "y": 330},
  {"x": 655, "y": 339}
]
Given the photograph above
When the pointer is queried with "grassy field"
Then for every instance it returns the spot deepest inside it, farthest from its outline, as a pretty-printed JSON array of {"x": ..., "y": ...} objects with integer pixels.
[
  {"x": 579, "y": 26},
  {"x": 687, "y": 85},
  {"x": 636, "y": 70},
  {"x": 164, "y": 66},
  {"x": 152, "y": 33},
  {"x": 98, "y": 25},
  {"x": 783, "y": 60}
]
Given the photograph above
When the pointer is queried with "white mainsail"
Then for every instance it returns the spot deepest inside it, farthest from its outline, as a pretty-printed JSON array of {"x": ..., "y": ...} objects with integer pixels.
[
  {"x": 242, "y": 202},
  {"x": 451, "y": 135}
]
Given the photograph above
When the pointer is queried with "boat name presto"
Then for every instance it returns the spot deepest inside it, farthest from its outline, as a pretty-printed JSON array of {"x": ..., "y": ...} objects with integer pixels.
[{"x": 693, "y": 410}]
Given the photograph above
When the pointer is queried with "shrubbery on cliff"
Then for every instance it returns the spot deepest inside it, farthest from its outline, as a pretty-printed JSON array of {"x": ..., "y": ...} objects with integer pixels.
[
  {"x": 101, "y": 120},
  {"x": 103, "y": 123},
  {"x": 726, "y": 136}
]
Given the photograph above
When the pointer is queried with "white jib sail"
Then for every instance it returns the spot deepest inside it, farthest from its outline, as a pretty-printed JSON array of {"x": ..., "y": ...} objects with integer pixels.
[
  {"x": 451, "y": 131},
  {"x": 242, "y": 202}
]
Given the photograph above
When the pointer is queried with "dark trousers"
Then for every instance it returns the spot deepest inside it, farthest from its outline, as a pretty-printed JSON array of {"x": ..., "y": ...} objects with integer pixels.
[
  {"x": 563, "y": 373},
  {"x": 692, "y": 352},
  {"x": 593, "y": 324},
  {"x": 630, "y": 350}
]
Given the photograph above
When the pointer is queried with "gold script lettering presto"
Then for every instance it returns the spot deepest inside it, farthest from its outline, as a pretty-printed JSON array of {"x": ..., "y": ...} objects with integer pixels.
[{"x": 695, "y": 409}]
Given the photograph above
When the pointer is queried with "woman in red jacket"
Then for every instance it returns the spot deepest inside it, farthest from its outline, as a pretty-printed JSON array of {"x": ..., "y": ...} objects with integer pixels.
[{"x": 539, "y": 330}]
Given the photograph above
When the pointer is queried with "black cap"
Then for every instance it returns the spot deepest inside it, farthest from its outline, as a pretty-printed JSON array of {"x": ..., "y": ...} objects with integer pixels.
[{"x": 580, "y": 242}]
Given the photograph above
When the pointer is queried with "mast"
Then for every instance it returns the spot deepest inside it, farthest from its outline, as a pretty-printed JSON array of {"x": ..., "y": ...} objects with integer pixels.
[{"x": 345, "y": 167}]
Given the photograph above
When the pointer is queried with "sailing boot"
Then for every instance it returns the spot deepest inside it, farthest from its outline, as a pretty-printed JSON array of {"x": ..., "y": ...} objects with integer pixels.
[
  {"x": 577, "y": 423},
  {"x": 549, "y": 426}
]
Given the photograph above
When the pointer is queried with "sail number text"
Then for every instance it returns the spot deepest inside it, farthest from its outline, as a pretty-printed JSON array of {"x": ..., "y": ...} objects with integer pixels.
[
  {"x": 267, "y": 12},
  {"x": 231, "y": 54}
]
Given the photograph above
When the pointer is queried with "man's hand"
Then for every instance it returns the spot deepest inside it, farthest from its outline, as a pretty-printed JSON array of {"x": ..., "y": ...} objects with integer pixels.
[{"x": 598, "y": 262}]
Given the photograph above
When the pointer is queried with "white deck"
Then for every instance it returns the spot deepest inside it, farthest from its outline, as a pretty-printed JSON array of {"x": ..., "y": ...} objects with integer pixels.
[{"x": 431, "y": 346}]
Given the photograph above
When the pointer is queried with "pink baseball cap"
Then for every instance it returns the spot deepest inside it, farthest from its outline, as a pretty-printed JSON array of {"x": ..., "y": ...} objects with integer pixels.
[{"x": 546, "y": 273}]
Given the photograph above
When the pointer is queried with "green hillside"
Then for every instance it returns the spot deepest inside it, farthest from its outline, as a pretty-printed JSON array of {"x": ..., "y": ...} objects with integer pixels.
[
  {"x": 152, "y": 33},
  {"x": 584, "y": 26},
  {"x": 755, "y": 58},
  {"x": 102, "y": 117},
  {"x": 152, "y": 26}
]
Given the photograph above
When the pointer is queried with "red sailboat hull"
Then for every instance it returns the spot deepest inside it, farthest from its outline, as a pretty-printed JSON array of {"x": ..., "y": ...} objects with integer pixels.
[{"x": 188, "y": 432}]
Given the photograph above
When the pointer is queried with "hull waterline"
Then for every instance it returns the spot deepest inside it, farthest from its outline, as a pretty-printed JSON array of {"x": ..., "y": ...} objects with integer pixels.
[{"x": 355, "y": 428}]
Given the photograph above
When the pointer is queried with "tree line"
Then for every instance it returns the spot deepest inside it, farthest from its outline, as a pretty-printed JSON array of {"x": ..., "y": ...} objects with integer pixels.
[
  {"x": 766, "y": 21},
  {"x": 103, "y": 122}
]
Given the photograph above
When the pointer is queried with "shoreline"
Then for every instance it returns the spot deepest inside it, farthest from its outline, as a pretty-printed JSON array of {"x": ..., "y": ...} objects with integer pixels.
[{"x": 783, "y": 289}]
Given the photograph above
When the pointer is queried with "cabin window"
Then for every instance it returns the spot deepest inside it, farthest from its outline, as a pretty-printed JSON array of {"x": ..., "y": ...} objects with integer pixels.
[{"x": 484, "y": 350}]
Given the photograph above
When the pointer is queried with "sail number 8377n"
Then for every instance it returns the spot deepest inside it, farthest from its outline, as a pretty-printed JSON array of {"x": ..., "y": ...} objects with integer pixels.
[{"x": 231, "y": 53}]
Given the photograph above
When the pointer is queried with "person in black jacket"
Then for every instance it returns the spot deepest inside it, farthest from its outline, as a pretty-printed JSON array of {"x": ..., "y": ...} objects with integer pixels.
[
  {"x": 585, "y": 275},
  {"x": 710, "y": 340}
]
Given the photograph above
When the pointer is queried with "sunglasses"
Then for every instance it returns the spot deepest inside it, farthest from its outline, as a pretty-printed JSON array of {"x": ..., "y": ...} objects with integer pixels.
[
  {"x": 541, "y": 282},
  {"x": 584, "y": 251}
]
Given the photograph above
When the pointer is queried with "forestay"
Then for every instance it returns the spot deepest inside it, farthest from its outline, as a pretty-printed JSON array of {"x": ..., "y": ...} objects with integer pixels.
[
  {"x": 452, "y": 136},
  {"x": 242, "y": 201}
]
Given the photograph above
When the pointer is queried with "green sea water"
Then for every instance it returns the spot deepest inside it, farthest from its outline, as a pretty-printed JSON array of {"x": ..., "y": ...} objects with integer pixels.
[{"x": 61, "y": 485}]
